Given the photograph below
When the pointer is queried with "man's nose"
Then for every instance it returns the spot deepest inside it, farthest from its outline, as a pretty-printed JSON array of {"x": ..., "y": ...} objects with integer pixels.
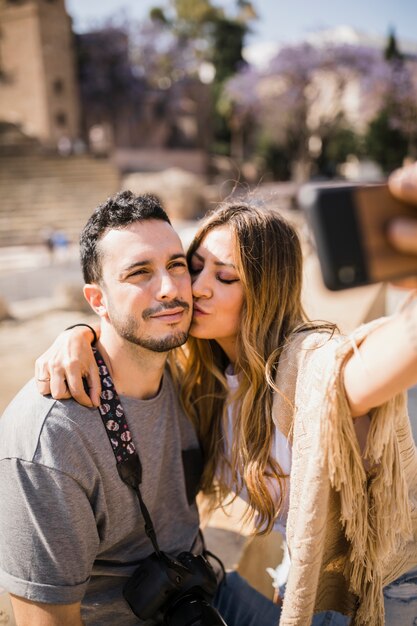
[{"x": 167, "y": 287}]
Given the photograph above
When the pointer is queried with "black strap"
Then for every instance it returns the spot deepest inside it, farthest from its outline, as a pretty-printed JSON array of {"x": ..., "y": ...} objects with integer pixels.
[{"x": 127, "y": 459}]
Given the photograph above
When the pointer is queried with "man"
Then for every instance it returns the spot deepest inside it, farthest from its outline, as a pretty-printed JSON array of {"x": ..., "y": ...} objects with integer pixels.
[
  {"x": 71, "y": 532},
  {"x": 72, "y": 516}
]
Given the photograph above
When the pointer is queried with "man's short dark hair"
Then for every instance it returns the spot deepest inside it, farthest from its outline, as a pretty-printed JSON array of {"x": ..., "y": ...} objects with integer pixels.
[{"x": 117, "y": 212}]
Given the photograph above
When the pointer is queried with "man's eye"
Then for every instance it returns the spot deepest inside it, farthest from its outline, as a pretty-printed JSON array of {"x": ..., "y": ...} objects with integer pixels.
[
  {"x": 178, "y": 266},
  {"x": 138, "y": 273}
]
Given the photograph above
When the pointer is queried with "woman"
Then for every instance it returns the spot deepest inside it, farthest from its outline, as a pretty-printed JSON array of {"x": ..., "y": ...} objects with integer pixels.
[{"x": 273, "y": 395}]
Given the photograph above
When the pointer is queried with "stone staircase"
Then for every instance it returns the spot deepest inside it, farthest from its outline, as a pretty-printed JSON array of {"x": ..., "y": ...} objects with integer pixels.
[{"x": 39, "y": 192}]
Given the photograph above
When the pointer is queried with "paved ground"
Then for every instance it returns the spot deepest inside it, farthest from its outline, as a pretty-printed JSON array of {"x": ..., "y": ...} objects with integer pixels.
[{"x": 27, "y": 273}]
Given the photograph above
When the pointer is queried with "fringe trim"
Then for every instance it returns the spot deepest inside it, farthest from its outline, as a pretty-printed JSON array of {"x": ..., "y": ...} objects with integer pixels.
[{"x": 375, "y": 511}]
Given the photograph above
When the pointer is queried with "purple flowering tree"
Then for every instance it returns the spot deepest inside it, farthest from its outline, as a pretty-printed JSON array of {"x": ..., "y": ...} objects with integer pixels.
[
  {"x": 128, "y": 67},
  {"x": 306, "y": 90},
  {"x": 401, "y": 100},
  {"x": 108, "y": 86},
  {"x": 161, "y": 56}
]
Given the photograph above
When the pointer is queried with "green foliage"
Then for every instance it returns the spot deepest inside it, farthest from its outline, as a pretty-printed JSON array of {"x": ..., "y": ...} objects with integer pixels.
[
  {"x": 198, "y": 11},
  {"x": 275, "y": 159},
  {"x": 392, "y": 51},
  {"x": 228, "y": 37},
  {"x": 341, "y": 142},
  {"x": 384, "y": 144},
  {"x": 220, "y": 122},
  {"x": 226, "y": 55},
  {"x": 216, "y": 38},
  {"x": 192, "y": 18},
  {"x": 157, "y": 15},
  {"x": 223, "y": 35},
  {"x": 338, "y": 144}
]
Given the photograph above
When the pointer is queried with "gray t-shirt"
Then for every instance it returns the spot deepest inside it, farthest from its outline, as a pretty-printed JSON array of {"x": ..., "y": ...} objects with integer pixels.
[{"x": 70, "y": 529}]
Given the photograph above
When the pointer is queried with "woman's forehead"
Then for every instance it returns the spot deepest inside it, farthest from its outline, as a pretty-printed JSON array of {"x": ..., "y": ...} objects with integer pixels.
[{"x": 218, "y": 242}]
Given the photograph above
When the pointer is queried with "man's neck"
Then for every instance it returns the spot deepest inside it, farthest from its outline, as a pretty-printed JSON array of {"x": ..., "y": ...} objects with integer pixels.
[{"x": 135, "y": 371}]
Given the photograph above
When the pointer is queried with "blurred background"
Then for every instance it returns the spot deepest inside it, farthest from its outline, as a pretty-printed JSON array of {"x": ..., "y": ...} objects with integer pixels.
[{"x": 192, "y": 100}]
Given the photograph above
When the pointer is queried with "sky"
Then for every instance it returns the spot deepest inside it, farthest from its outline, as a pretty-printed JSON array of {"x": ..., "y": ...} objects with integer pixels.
[{"x": 279, "y": 21}]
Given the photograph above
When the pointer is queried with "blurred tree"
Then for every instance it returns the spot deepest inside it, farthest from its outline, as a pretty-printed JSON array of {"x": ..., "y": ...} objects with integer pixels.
[
  {"x": 299, "y": 100},
  {"x": 183, "y": 43},
  {"x": 340, "y": 143},
  {"x": 391, "y": 50},
  {"x": 223, "y": 34},
  {"x": 192, "y": 16},
  {"x": 106, "y": 78},
  {"x": 273, "y": 159},
  {"x": 227, "y": 59},
  {"x": 159, "y": 56},
  {"x": 385, "y": 144},
  {"x": 157, "y": 15},
  {"x": 226, "y": 55},
  {"x": 214, "y": 40},
  {"x": 401, "y": 96},
  {"x": 392, "y": 133}
]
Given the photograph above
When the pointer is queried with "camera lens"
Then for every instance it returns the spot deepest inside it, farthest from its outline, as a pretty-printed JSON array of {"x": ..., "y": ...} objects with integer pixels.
[{"x": 194, "y": 611}]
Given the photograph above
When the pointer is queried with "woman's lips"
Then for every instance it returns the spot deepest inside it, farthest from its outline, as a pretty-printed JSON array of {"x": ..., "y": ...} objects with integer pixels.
[{"x": 197, "y": 311}]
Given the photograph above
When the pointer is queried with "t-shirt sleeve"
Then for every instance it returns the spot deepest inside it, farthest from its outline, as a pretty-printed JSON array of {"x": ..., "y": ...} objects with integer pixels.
[{"x": 48, "y": 533}]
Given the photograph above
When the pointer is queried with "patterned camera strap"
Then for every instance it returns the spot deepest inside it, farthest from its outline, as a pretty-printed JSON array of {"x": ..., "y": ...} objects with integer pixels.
[{"x": 127, "y": 459}]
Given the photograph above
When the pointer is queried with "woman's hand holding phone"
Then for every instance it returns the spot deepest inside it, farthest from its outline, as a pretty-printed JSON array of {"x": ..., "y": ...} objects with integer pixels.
[{"x": 402, "y": 232}]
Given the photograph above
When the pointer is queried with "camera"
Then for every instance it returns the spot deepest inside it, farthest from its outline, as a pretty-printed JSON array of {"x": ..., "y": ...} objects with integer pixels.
[{"x": 173, "y": 591}]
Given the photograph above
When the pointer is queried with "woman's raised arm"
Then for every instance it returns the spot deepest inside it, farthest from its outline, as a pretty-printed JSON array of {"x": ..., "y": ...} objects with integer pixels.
[{"x": 386, "y": 363}]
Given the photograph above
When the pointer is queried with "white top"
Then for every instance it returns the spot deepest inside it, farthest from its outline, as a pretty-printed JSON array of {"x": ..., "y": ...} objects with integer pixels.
[{"x": 281, "y": 452}]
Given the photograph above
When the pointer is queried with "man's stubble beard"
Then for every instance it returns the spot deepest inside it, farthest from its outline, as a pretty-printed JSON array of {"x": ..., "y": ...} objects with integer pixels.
[{"x": 129, "y": 330}]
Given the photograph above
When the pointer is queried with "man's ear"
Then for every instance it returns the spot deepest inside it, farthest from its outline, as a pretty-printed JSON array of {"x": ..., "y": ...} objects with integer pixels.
[{"x": 93, "y": 293}]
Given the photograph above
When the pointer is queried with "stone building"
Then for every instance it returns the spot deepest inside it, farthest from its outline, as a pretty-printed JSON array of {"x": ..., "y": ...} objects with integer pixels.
[
  {"x": 57, "y": 87},
  {"x": 38, "y": 83}
]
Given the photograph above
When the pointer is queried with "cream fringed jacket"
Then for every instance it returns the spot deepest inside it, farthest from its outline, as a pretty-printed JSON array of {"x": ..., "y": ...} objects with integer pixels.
[{"x": 349, "y": 532}]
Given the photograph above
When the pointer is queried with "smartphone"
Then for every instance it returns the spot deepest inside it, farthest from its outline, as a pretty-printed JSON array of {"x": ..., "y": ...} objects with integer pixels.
[{"x": 349, "y": 224}]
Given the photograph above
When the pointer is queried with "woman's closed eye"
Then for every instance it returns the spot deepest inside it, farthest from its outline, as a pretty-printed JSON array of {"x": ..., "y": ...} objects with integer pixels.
[
  {"x": 227, "y": 281},
  {"x": 195, "y": 270}
]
